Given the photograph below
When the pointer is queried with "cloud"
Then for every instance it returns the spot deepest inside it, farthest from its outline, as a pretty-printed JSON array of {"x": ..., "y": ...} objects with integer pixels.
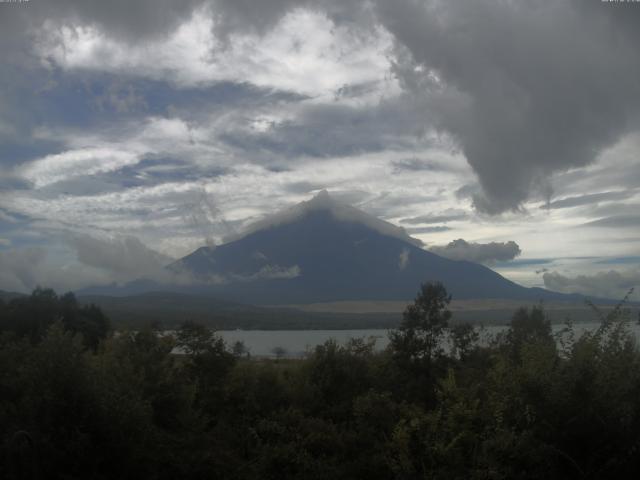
[
  {"x": 267, "y": 272},
  {"x": 467, "y": 191},
  {"x": 203, "y": 215},
  {"x": 525, "y": 87},
  {"x": 23, "y": 269},
  {"x": 616, "y": 221},
  {"x": 325, "y": 130},
  {"x": 118, "y": 118},
  {"x": 324, "y": 202},
  {"x": 423, "y": 165},
  {"x": 122, "y": 98},
  {"x": 431, "y": 229},
  {"x": 489, "y": 95},
  {"x": 403, "y": 260},
  {"x": 612, "y": 284},
  {"x": 620, "y": 260},
  {"x": 72, "y": 163},
  {"x": 478, "y": 252},
  {"x": 589, "y": 199},
  {"x": 303, "y": 52},
  {"x": 133, "y": 21},
  {"x": 444, "y": 217},
  {"x": 17, "y": 268},
  {"x": 123, "y": 258},
  {"x": 5, "y": 217},
  {"x": 523, "y": 262}
]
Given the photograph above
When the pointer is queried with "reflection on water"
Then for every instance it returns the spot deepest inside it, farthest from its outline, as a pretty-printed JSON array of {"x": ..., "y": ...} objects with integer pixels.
[{"x": 298, "y": 342}]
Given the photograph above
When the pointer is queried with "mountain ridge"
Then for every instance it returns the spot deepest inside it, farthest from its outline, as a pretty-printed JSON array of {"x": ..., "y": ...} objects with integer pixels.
[{"x": 324, "y": 251}]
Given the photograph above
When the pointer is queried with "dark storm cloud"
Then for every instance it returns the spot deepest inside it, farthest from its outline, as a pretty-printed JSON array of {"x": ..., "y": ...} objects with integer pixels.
[
  {"x": 235, "y": 15},
  {"x": 259, "y": 17},
  {"x": 355, "y": 90},
  {"x": 133, "y": 20},
  {"x": 527, "y": 88},
  {"x": 467, "y": 191},
  {"x": 589, "y": 199},
  {"x": 147, "y": 20},
  {"x": 487, "y": 253}
]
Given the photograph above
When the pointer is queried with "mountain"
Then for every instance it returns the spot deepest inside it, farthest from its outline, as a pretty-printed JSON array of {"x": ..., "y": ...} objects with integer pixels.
[
  {"x": 8, "y": 296},
  {"x": 323, "y": 251}
]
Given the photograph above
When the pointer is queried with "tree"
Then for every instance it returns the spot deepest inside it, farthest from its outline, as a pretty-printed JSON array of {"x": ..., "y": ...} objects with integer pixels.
[
  {"x": 464, "y": 338},
  {"x": 239, "y": 349},
  {"x": 529, "y": 327},
  {"x": 424, "y": 323},
  {"x": 416, "y": 347},
  {"x": 279, "y": 352},
  {"x": 31, "y": 317},
  {"x": 87, "y": 320},
  {"x": 207, "y": 362}
]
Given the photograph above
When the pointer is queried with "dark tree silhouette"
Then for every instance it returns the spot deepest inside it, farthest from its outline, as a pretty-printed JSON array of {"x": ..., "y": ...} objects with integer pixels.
[{"x": 424, "y": 323}]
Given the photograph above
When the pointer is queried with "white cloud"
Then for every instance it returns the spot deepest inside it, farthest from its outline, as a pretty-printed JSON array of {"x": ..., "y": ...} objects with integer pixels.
[
  {"x": 612, "y": 284},
  {"x": 403, "y": 260},
  {"x": 305, "y": 52},
  {"x": 267, "y": 272},
  {"x": 123, "y": 258},
  {"x": 74, "y": 163},
  {"x": 23, "y": 269},
  {"x": 90, "y": 153}
]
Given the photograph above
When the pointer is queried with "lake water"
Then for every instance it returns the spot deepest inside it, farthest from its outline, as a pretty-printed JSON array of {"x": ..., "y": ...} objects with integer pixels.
[{"x": 296, "y": 343}]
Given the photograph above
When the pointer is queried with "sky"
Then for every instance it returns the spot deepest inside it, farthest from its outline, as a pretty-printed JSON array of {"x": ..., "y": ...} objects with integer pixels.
[{"x": 133, "y": 132}]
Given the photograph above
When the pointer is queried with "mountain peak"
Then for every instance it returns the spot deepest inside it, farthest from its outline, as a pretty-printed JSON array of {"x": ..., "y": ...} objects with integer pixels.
[{"x": 323, "y": 201}]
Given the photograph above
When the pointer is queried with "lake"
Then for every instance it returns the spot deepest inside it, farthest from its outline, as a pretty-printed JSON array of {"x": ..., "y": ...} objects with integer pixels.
[{"x": 296, "y": 343}]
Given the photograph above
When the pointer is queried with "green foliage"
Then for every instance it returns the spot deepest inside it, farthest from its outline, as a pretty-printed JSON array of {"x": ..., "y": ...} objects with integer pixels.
[
  {"x": 31, "y": 317},
  {"x": 424, "y": 323},
  {"x": 416, "y": 347},
  {"x": 528, "y": 327},
  {"x": 336, "y": 374},
  {"x": 144, "y": 404},
  {"x": 207, "y": 362},
  {"x": 464, "y": 338}
]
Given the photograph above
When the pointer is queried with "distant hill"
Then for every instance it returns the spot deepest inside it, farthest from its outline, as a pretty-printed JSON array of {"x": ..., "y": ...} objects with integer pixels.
[
  {"x": 7, "y": 296},
  {"x": 170, "y": 309}
]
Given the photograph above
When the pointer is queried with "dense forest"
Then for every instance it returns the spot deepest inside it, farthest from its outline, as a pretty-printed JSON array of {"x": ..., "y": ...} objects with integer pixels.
[{"x": 79, "y": 401}]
